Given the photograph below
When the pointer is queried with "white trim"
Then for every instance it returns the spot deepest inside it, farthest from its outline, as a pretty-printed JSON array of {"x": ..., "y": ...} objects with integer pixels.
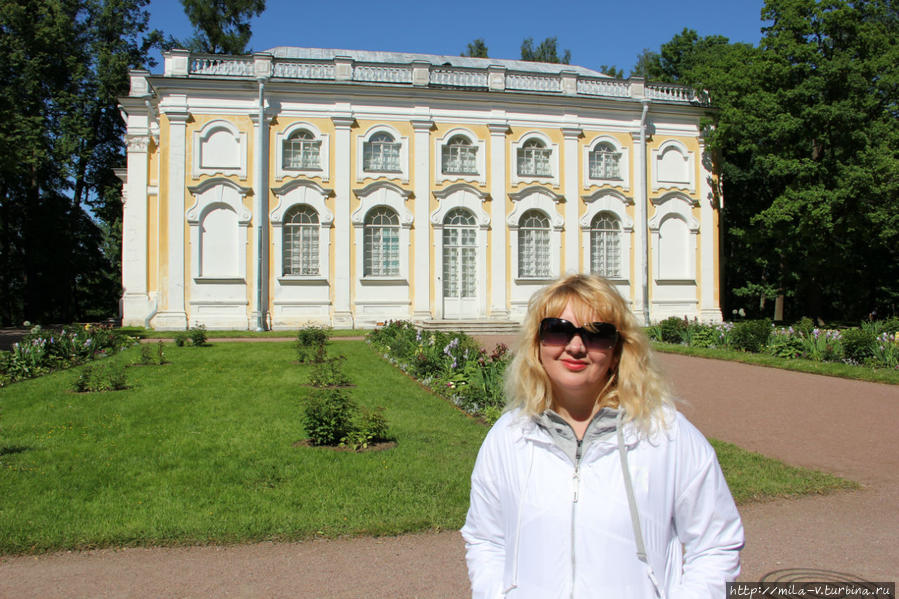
[
  {"x": 308, "y": 193},
  {"x": 481, "y": 158},
  {"x": 624, "y": 167},
  {"x": 468, "y": 197},
  {"x": 209, "y": 194},
  {"x": 324, "y": 154},
  {"x": 674, "y": 205},
  {"x": 382, "y": 193},
  {"x": 361, "y": 140},
  {"x": 202, "y": 135},
  {"x": 614, "y": 203},
  {"x": 539, "y": 198},
  {"x": 689, "y": 158},
  {"x": 553, "y": 178}
]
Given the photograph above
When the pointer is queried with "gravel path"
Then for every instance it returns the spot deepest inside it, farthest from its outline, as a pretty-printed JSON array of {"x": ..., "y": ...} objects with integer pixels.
[{"x": 840, "y": 426}]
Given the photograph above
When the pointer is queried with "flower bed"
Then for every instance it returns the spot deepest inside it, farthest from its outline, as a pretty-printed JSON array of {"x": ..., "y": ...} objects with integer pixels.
[
  {"x": 43, "y": 351},
  {"x": 452, "y": 365},
  {"x": 874, "y": 344}
]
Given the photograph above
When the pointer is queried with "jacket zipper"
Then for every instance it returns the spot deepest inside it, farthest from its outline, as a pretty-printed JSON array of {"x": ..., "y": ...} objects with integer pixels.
[{"x": 576, "y": 488}]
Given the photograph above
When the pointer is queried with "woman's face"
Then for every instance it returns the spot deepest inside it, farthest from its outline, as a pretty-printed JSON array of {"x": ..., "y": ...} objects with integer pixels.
[{"x": 575, "y": 371}]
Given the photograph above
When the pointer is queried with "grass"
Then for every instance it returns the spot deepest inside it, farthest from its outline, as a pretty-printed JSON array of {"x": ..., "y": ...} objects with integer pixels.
[
  {"x": 837, "y": 369},
  {"x": 215, "y": 334},
  {"x": 202, "y": 451}
]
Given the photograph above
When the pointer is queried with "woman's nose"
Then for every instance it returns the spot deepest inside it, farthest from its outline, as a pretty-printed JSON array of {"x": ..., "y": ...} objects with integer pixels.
[{"x": 576, "y": 345}]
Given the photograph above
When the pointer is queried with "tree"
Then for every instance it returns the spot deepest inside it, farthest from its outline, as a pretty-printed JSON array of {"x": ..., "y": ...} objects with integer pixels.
[
  {"x": 808, "y": 139},
  {"x": 62, "y": 65},
  {"x": 476, "y": 49},
  {"x": 612, "y": 71},
  {"x": 546, "y": 52},
  {"x": 648, "y": 66},
  {"x": 221, "y": 26}
]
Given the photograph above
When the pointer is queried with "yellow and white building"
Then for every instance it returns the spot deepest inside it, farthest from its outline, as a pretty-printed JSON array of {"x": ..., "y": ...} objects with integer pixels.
[{"x": 345, "y": 187}]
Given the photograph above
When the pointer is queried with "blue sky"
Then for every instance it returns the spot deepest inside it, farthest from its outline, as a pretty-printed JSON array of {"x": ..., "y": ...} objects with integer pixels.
[{"x": 597, "y": 32}]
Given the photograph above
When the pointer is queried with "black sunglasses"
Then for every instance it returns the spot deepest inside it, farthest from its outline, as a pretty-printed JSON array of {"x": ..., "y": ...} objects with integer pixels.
[{"x": 596, "y": 335}]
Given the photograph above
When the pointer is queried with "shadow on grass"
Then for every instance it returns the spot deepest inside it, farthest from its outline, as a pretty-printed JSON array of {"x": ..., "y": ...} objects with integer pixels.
[{"x": 12, "y": 450}]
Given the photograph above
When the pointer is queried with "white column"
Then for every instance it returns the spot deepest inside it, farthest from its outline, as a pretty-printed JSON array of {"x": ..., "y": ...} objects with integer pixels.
[
  {"x": 343, "y": 315},
  {"x": 422, "y": 185},
  {"x": 174, "y": 316},
  {"x": 135, "y": 303},
  {"x": 710, "y": 310},
  {"x": 640, "y": 231},
  {"x": 499, "y": 277},
  {"x": 572, "y": 200}
]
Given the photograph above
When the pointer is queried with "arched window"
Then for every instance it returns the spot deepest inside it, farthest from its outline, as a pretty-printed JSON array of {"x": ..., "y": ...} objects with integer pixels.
[
  {"x": 381, "y": 153},
  {"x": 604, "y": 162},
  {"x": 605, "y": 245},
  {"x": 534, "y": 159},
  {"x": 301, "y": 151},
  {"x": 300, "y": 242},
  {"x": 382, "y": 243},
  {"x": 533, "y": 245},
  {"x": 460, "y": 157}
]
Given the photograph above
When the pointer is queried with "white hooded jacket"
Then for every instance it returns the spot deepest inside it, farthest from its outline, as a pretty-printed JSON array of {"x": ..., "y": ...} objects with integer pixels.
[{"x": 544, "y": 523}]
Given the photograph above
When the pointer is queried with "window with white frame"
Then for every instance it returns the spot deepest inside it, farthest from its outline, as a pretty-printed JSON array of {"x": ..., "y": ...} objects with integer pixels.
[
  {"x": 605, "y": 245},
  {"x": 459, "y": 157},
  {"x": 299, "y": 245},
  {"x": 534, "y": 245},
  {"x": 534, "y": 159},
  {"x": 381, "y": 153},
  {"x": 605, "y": 162},
  {"x": 301, "y": 151},
  {"x": 381, "y": 243}
]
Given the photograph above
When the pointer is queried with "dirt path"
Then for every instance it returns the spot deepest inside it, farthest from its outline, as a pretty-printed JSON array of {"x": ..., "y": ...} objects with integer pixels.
[{"x": 843, "y": 427}]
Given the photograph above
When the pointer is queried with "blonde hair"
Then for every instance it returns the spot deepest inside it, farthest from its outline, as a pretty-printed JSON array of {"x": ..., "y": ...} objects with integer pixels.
[{"x": 635, "y": 382}]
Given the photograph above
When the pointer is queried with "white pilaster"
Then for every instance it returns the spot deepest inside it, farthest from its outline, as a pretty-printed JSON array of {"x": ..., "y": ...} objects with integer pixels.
[
  {"x": 572, "y": 201},
  {"x": 343, "y": 315},
  {"x": 135, "y": 303},
  {"x": 710, "y": 310},
  {"x": 640, "y": 232},
  {"x": 422, "y": 185},
  {"x": 499, "y": 277},
  {"x": 174, "y": 316}
]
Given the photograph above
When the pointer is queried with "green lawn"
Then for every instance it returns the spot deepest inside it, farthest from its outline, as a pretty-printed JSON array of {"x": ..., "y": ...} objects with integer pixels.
[{"x": 202, "y": 451}]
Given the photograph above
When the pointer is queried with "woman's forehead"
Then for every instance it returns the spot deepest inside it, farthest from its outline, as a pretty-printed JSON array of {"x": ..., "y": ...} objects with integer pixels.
[{"x": 583, "y": 311}]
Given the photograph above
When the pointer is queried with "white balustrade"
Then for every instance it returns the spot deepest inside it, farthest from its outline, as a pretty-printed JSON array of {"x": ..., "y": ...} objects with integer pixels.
[
  {"x": 534, "y": 83},
  {"x": 381, "y": 74},
  {"x": 603, "y": 87},
  {"x": 458, "y": 77},
  {"x": 673, "y": 93},
  {"x": 304, "y": 70},
  {"x": 235, "y": 67}
]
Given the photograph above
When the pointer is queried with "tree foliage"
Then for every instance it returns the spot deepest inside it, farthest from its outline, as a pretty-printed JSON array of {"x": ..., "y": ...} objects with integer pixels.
[
  {"x": 546, "y": 51},
  {"x": 221, "y": 26},
  {"x": 807, "y": 137},
  {"x": 63, "y": 63},
  {"x": 476, "y": 49},
  {"x": 611, "y": 71}
]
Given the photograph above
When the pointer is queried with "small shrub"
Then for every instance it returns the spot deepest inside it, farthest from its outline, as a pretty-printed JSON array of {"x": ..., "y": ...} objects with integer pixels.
[
  {"x": 311, "y": 343},
  {"x": 672, "y": 329},
  {"x": 374, "y": 424},
  {"x": 750, "y": 335},
  {"x": 83, "y": 383},
  {"x": 181, "y": 339},
  {"x": 116, "y": 377},
  {"x": 703, "y": 336},
  {"x": 329, "y": 416},
  {"x": 107, "y": 378},
  {"x": 858, "y": 345},
  {"x": 329, "y": 373},
  {"x": 198, "y": 335},
  {"x": 160, "y": 353},
  {"x": 783, "y": 344},
  {"x": 146, "y": 355}
]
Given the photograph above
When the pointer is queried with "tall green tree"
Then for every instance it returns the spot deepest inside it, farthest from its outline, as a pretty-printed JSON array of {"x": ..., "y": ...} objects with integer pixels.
[
  {"x": 476, "y": 49},
  {"x": 808, "y": 138},
  {"x": 648, "y": 65},
  {"x": 221, "y": 26},
  {"x": 62, "y": 65},
  {"x": 611, "y": 71},
  {"x": 546, "y": 51}
]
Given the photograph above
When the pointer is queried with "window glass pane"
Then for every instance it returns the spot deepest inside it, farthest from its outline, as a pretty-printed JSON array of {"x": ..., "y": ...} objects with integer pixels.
[
  {"x": 301, "y": 151},
  {"x": 534, "y": 160},
  {"x": 604, "y": 162},
  {"x": 533, "y": 245},
  {"x": 300, "y": 255},
  {"x": 605, "y": 246},
  {"x": 459, "y": 157},
  {"x": 381, "y": 236},
  {"x": 381, "y": 154}
]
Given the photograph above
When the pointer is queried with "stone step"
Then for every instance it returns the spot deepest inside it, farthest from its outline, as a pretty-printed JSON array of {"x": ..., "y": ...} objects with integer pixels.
[{"x": 471, "y": 327}]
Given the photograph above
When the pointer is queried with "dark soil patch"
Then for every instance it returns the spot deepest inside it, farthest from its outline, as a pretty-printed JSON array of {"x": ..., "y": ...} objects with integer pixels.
[{"x": 372, "y": 447}]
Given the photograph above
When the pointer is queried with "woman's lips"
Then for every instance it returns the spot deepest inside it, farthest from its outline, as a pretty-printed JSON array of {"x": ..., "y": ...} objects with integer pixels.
[{"x": 573, "y": 365}]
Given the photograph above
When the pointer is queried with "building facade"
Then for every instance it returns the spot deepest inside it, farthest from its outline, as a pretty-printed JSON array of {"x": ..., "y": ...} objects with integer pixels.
[{"x": 347, "y": 188}]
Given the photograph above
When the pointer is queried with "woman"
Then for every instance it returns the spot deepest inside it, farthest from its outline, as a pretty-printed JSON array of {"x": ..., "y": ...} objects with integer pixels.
[{"x": 591, "y": 484}]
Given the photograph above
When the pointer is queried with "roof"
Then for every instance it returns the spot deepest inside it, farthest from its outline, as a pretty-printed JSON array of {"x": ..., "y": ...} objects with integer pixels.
[{"x": 437, "y": 60}]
